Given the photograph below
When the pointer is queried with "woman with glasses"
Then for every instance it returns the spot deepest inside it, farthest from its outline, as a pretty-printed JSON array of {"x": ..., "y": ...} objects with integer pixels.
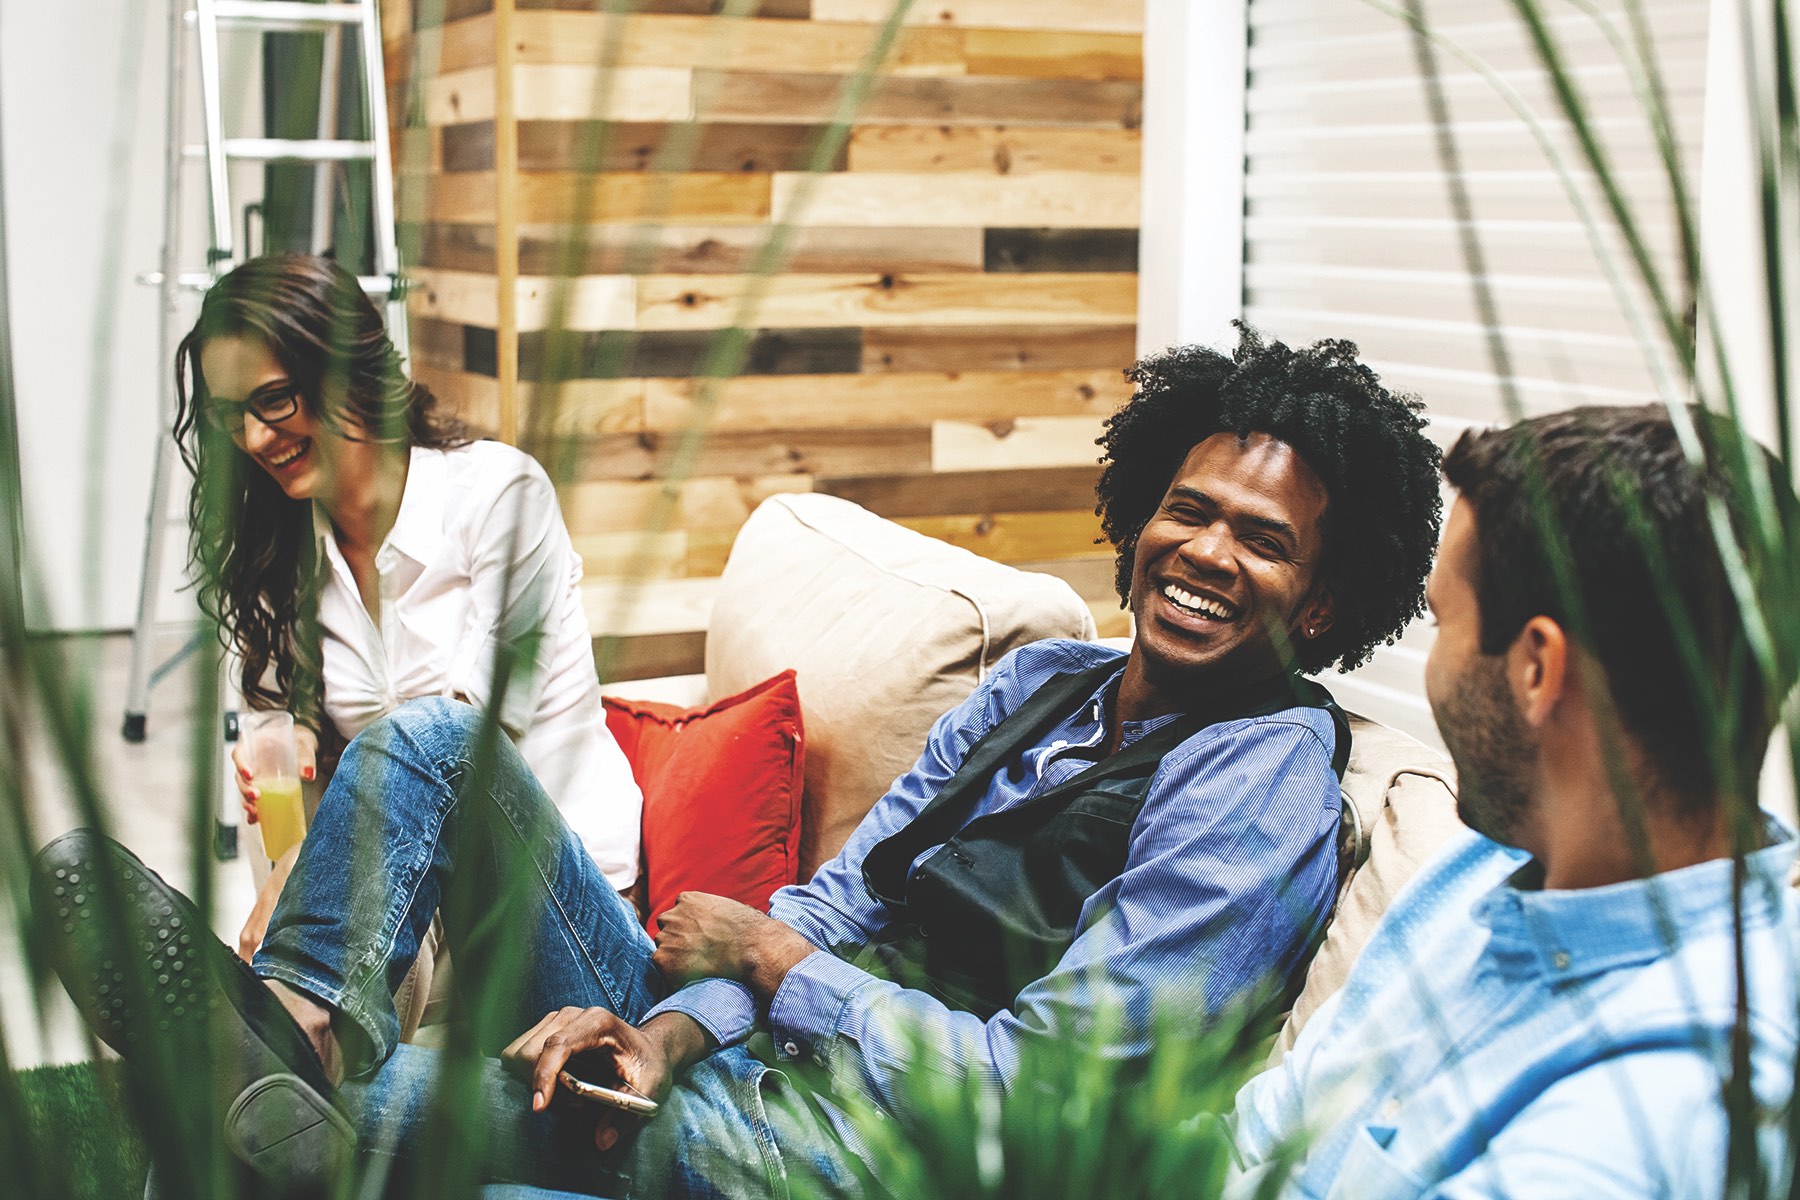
[{"x": 360, "y": 548}]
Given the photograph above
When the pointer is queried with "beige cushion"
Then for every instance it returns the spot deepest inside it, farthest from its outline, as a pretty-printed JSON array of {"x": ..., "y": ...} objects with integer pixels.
[
  {"x": 1402, "y": 795},
  {"x": 886, "y": 628}
]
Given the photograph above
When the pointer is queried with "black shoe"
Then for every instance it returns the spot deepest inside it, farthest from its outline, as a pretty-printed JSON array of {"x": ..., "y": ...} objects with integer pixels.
[{"x": 158, "y": 987}]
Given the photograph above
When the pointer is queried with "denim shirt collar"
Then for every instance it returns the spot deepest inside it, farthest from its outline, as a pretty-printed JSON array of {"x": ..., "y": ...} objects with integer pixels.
[{"x": 1577, "y": 933}]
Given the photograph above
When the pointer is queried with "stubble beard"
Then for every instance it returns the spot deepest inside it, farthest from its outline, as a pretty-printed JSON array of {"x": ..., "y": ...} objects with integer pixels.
[{"x": 1493, "y": 750}]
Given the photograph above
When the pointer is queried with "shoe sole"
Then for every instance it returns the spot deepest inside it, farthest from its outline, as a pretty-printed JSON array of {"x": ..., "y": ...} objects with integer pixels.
[{"x": 202, "y": 999}]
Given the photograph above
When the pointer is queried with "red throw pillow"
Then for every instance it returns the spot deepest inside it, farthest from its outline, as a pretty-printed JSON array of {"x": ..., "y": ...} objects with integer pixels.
[{"x": 721, "y": 791}]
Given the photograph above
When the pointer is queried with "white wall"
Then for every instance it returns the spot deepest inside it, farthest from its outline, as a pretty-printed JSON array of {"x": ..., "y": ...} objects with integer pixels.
[
  {"x": 1191, "y": 259},
  {"x": 82, "y": 99}
]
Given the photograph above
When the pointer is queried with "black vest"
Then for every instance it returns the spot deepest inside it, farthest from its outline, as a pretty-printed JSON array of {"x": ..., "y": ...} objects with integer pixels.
[{"x": 999, "y": 903}]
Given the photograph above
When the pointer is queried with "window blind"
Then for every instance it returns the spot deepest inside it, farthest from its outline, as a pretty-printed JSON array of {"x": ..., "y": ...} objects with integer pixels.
[{"x": 1351, "y": 232}]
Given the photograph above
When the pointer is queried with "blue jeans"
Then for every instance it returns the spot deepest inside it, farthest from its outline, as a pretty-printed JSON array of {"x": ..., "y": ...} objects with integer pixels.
[{"x": 532, "y": 927}]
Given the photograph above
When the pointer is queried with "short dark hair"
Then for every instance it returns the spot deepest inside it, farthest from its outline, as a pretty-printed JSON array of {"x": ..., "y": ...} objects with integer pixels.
[
  {"x": 1365, "y": 443},
  {"x": 1612, "y": 493}
]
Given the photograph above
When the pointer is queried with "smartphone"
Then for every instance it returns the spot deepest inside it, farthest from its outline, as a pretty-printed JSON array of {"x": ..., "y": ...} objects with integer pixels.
[{"x": 631, "y": 1103}]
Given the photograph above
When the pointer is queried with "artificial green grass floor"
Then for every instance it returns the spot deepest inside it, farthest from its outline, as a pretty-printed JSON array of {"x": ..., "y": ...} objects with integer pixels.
[{"x": 77, "y": 1141}]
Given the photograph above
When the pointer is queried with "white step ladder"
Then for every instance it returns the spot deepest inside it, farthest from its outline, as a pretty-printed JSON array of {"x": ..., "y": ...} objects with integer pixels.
[{"x": 202, "y": 20}]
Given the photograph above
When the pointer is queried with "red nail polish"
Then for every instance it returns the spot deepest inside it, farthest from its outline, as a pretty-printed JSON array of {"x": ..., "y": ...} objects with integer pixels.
[{"x": 307, "y": 773}]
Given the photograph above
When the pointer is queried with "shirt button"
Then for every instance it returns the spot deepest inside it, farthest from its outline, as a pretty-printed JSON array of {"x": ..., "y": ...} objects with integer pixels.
[
  {"x": 1561, "y": 960},
  {"x": 791, "y": 1050}
]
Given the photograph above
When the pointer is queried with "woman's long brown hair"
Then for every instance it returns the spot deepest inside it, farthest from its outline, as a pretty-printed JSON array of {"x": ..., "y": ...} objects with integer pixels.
[{"x": 253, "y": 549}]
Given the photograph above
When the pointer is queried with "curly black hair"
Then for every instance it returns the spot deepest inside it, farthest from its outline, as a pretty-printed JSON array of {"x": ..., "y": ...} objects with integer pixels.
[{"x": 1366, "y": 444}]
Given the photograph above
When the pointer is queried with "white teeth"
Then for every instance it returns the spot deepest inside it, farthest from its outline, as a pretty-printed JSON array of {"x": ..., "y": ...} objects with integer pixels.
[
  {"x": 1199, "y": 604},
  {"x": 282, "y": 462}
]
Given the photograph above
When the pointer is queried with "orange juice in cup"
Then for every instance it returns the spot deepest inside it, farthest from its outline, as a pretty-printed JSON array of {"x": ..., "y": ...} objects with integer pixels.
[{"x": 275, "y": 777}]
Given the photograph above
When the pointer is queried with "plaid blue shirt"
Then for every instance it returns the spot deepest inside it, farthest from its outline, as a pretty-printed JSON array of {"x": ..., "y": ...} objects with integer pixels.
[
  {"x": 1232, "y": 863},
  {"x": 1496, "y": 1039}
]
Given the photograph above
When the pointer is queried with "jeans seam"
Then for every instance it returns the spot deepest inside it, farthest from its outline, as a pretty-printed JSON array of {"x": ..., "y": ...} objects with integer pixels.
[
  {"x": 375, "y": 960},
  {"x": 608, "y": 984},
  {"x": 774, "y": 1166}
]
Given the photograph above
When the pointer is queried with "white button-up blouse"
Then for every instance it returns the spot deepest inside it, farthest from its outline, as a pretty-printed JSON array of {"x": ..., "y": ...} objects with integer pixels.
[{"x": 479, "y": 558}]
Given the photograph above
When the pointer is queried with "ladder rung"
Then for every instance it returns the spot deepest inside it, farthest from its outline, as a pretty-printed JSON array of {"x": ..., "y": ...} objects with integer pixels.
[
  {"x": 294, "y": 149},
  {"x": 199, "y": 281},
  {"x": 190, "y": 281},
  {"x": 286, "y": 15}
]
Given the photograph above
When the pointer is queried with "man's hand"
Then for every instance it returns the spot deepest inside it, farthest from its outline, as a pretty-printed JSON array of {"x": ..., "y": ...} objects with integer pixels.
[
  {"x": 646, "y": 1060},
  {"x": 710, "y": 937}
]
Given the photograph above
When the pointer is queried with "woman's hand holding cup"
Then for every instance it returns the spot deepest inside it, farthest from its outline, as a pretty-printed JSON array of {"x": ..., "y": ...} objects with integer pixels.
[{"x": 272, "y": 759}]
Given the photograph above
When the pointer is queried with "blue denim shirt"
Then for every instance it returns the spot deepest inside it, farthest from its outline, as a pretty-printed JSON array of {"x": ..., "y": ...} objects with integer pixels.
[
  {"x": 1232, "y": 863},
  {"x": 1495, "y": 1039}
]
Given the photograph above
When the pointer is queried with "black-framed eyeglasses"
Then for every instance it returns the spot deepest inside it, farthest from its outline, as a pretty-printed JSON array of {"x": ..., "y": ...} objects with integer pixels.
[{"x": 271, "y": 406}]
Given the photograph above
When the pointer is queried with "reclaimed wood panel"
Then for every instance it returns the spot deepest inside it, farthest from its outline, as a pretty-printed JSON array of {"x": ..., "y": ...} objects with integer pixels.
[
  {"x": 940, "y": 340},
  {"x": 1010, "y": 536},
  {"x": 638, "y": 554},
  {"x": 1089, "y": 16},
  {"x": 427, "y": 14},
  {"x": 1015, "y": 250},
  {"x": 713, "y": 302},
  {"x": 461, "y": 297},
  {"x": 439, "y": 344},
  {"x": 1092, "y": 579},
  {"x": 593, "y": 302},
  {"x": 793, "y": 10},
  {"x": 734, "y": 250},
  {"x": 800, "y": 452},
  {"x": 557, "y": 92},
  {"x": 659, "y": 40},
  {"x": 649, "y": 657},
  {"x": 828, "y": 401},
  {"x": 1006, "y": 444},
  {"x": 643, "y": 146},
  {"x": 680, "y": 353},
  {"x": 998, "y": 348},
  {"x": 580, "y": 407},
  {"x": 1052, "y": 54},
  {"x": 545, "y": 249},
  {"x": 637, "y": 608},
  {"x": 561, "y": 196},
  {"x": 965, "y": 100},
  {"x": 1002, "y": 150},
  {"x": 474, "y": 398},
  {"x": 464, "y": 148},
  {"x": 466, "y": 95},
  {"x": 950, "y": 493},
  {"x": 451, "y": 246},
  {"x": 1058, "y": 199},
  {"x": 581, "y": 302},
  {"x": 621, "y": 506},
  {"x": 462, "y": 44}
]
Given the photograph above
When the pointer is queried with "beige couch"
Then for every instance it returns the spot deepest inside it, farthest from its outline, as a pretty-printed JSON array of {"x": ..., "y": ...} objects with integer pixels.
[{"x": 887, "y": 629}]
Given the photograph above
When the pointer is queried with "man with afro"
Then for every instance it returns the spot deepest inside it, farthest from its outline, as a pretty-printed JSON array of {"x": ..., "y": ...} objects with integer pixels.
[{"x": 1093, "y": 834}]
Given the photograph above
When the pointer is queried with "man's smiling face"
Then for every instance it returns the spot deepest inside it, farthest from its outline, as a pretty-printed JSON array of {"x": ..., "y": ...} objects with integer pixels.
[{"x": 1225, "y": 570}]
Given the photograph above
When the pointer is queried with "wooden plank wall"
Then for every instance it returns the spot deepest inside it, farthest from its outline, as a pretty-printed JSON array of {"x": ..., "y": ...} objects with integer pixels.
[{"x": 940, "y": 345}]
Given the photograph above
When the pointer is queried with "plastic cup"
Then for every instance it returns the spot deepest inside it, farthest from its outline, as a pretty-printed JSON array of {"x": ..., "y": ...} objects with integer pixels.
[{"x": 275, "y": 777}]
